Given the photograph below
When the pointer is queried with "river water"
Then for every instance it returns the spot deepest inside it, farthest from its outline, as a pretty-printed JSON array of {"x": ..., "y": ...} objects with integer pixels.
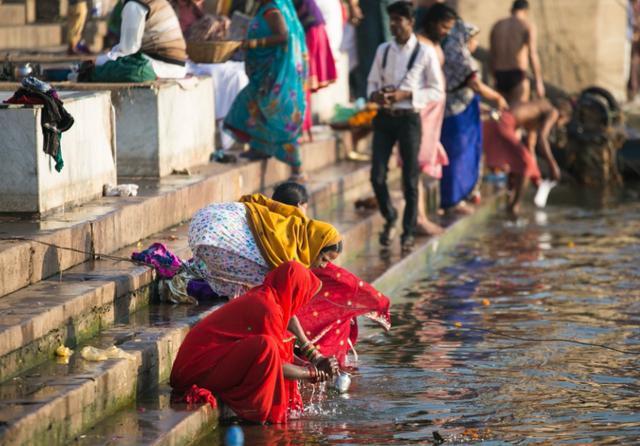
[{"x": 475, "y": 352}]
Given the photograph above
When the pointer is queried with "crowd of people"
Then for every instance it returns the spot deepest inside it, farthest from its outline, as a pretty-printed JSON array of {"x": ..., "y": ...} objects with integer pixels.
[
  {"x": 292, "y": 313},
  {"x": 428, "y": 88},
  {"x": 413, "y": 59}
]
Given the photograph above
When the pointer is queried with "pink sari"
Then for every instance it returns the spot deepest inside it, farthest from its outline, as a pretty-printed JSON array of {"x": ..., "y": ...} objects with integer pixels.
[{"x": 432, "y": 155}]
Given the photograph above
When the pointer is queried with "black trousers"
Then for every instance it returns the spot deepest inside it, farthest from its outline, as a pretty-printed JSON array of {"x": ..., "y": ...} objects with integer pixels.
[{"x": 406, "y": 130}]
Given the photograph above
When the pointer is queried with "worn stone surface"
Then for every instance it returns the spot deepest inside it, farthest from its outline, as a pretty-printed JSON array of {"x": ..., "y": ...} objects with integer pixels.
[
  {"x": 13, "y": 14},
  {"x": 48, "y": 10},
  {"x": 30, "y": 36},
  {"x": 167, "y": 127},
  {"x": 28, "y": 181}
]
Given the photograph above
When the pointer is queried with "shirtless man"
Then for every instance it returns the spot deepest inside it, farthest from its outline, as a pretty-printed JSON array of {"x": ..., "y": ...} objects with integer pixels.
[
  {"x": 504, "y": 149},
  {"x": 513, "y": 47}
]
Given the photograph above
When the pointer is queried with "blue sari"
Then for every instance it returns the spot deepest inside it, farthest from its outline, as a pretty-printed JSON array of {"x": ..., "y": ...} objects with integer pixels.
[
  {"x": 268, "y": 113},
  {"x": 461, "y": 133},
  {"x": 462, "y": 140}
]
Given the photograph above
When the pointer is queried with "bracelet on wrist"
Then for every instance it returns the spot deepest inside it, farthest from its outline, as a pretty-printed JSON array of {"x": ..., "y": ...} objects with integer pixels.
[{"x": 313, "y": 373}]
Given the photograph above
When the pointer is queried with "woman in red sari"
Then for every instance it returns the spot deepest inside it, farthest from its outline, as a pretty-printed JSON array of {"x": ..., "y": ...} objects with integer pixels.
[
  {"x": 330, "y": 320},
  {"x": 241, "y": 352}
]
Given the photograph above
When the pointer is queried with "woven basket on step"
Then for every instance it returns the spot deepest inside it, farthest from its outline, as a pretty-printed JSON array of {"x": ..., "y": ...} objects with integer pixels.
[{"x": 212, "y": 52}]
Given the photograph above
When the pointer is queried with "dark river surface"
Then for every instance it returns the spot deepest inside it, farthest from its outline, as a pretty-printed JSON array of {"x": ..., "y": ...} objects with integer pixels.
[{"x": 475, "y": 351}]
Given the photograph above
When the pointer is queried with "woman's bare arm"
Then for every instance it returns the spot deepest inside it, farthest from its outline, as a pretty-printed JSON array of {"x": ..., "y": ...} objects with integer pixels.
[
  {"x": 487, "y": 93},
  {"x": 279, "y": 32},
  {"x": 294, "y": 372}
]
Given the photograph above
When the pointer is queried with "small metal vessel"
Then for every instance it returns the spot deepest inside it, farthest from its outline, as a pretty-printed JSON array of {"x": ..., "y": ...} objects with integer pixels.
[
  {"x": 342, "y": 382},
  {"x": 21, "y": 71}
]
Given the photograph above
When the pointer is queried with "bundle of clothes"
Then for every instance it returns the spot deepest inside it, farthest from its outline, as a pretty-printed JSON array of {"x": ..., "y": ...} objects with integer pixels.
[{"x": 54, "y": 118}]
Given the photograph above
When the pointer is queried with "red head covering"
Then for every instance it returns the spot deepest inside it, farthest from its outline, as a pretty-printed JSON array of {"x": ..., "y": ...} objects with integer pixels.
[
  {"x": 330, "y": 319},
  {"x": 245, "y": 338}
]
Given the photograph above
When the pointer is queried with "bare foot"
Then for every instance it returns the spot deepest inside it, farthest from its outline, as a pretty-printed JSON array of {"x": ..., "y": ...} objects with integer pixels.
[
  {"x": 462, "y": 208},
  {"x": 513, "y": 210},
  {"x": 429, "y": 228}
]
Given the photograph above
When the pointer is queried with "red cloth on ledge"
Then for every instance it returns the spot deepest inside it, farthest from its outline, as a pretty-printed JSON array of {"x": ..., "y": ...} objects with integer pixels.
[
  {"x": 330, "y": 319},
  {"x": 237, "y": 352}
]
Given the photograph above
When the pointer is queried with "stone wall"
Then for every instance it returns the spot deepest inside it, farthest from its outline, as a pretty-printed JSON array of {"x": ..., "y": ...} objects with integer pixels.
[{"x": 582, "y": 42}]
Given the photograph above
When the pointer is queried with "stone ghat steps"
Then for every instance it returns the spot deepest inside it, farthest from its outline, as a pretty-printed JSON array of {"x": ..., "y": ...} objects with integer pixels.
[
  {"x": 53, "y": 403},
  {"x": 80, "y": 302},
  {"x": 13, "y": 14},
  {"x": 108, "y": 224},
  {"x": 154, "y": 419},
  {"x": 31, "y": 36}
]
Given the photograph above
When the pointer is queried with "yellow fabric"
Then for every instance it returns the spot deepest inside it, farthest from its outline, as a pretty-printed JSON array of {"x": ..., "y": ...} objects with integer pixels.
[
  {"x": 76, "y": 18},
  {"x": 284, "y": 233}
]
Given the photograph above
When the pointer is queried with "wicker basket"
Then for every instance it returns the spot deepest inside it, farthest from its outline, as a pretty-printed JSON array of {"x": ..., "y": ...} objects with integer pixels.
[{"x": 212, "y": 52}]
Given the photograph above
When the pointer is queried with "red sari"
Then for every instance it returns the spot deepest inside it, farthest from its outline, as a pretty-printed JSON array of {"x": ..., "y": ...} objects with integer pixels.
[
  {"x": 503, "y": 150},
  {"x": 330, "y": 319},
  {"x": 237, "y": 352}
]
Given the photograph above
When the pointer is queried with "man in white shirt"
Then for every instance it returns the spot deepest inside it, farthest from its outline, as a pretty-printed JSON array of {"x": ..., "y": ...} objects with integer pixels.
[
  {"x": 152, "y": 28},
  {"x": 404, "y": 78}
]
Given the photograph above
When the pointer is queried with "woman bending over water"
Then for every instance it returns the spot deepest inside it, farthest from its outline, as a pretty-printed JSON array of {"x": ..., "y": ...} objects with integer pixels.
[{"x": 241, "y": 352}]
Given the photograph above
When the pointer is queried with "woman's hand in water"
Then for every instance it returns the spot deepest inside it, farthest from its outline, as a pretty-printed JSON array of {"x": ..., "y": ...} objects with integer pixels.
[{"x": 328, "y": 365}]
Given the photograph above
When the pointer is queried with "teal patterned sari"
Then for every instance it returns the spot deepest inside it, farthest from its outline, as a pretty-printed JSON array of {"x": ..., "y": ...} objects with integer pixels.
[{"x": 269, "y": 111}]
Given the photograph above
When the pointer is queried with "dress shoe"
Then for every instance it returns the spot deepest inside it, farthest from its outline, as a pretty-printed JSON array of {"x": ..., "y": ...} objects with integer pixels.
[{"x": 388, "y": 233}]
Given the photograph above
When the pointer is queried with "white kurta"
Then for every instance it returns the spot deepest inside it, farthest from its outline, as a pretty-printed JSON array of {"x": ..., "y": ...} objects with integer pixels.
[{"x": 131, "y": 32}]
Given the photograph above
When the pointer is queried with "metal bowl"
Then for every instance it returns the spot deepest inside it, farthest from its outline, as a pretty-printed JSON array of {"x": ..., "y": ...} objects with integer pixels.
[{"x": 21, "y": 71}]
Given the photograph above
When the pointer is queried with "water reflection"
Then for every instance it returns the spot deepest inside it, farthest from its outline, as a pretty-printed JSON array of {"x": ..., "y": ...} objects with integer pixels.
[{"x": 572, "y": 273}]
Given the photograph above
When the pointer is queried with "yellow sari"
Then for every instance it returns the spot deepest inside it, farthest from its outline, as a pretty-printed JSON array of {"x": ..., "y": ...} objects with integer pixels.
[{"x": 284, "y": 233}]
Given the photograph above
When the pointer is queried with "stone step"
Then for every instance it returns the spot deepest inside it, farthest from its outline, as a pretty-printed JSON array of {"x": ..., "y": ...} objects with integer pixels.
[
  {"x": 29, "y": 7},
  {"x": 77, "y": 304},
  {"x": 30, "y": 36},
  {"x": 13, "y": 14},
  {"x": 53, "y": 403},
  {"x": 152, "y": 420},
  {"x": 108, "y": 224}
]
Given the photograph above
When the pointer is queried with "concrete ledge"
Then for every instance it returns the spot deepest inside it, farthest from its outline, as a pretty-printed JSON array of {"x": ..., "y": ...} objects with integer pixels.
[
  {"x": 72, "y": 402},
  {"x": 167, "y": 127},
  {"x": 30, "y": 36},
  {"x": 162, "y": 126},
  {"x": 402, "y": 269},
  {"x": 13, "y": 14},
  {"x": 28, "y": 180},
  {"x": 108, "y": 224}
]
